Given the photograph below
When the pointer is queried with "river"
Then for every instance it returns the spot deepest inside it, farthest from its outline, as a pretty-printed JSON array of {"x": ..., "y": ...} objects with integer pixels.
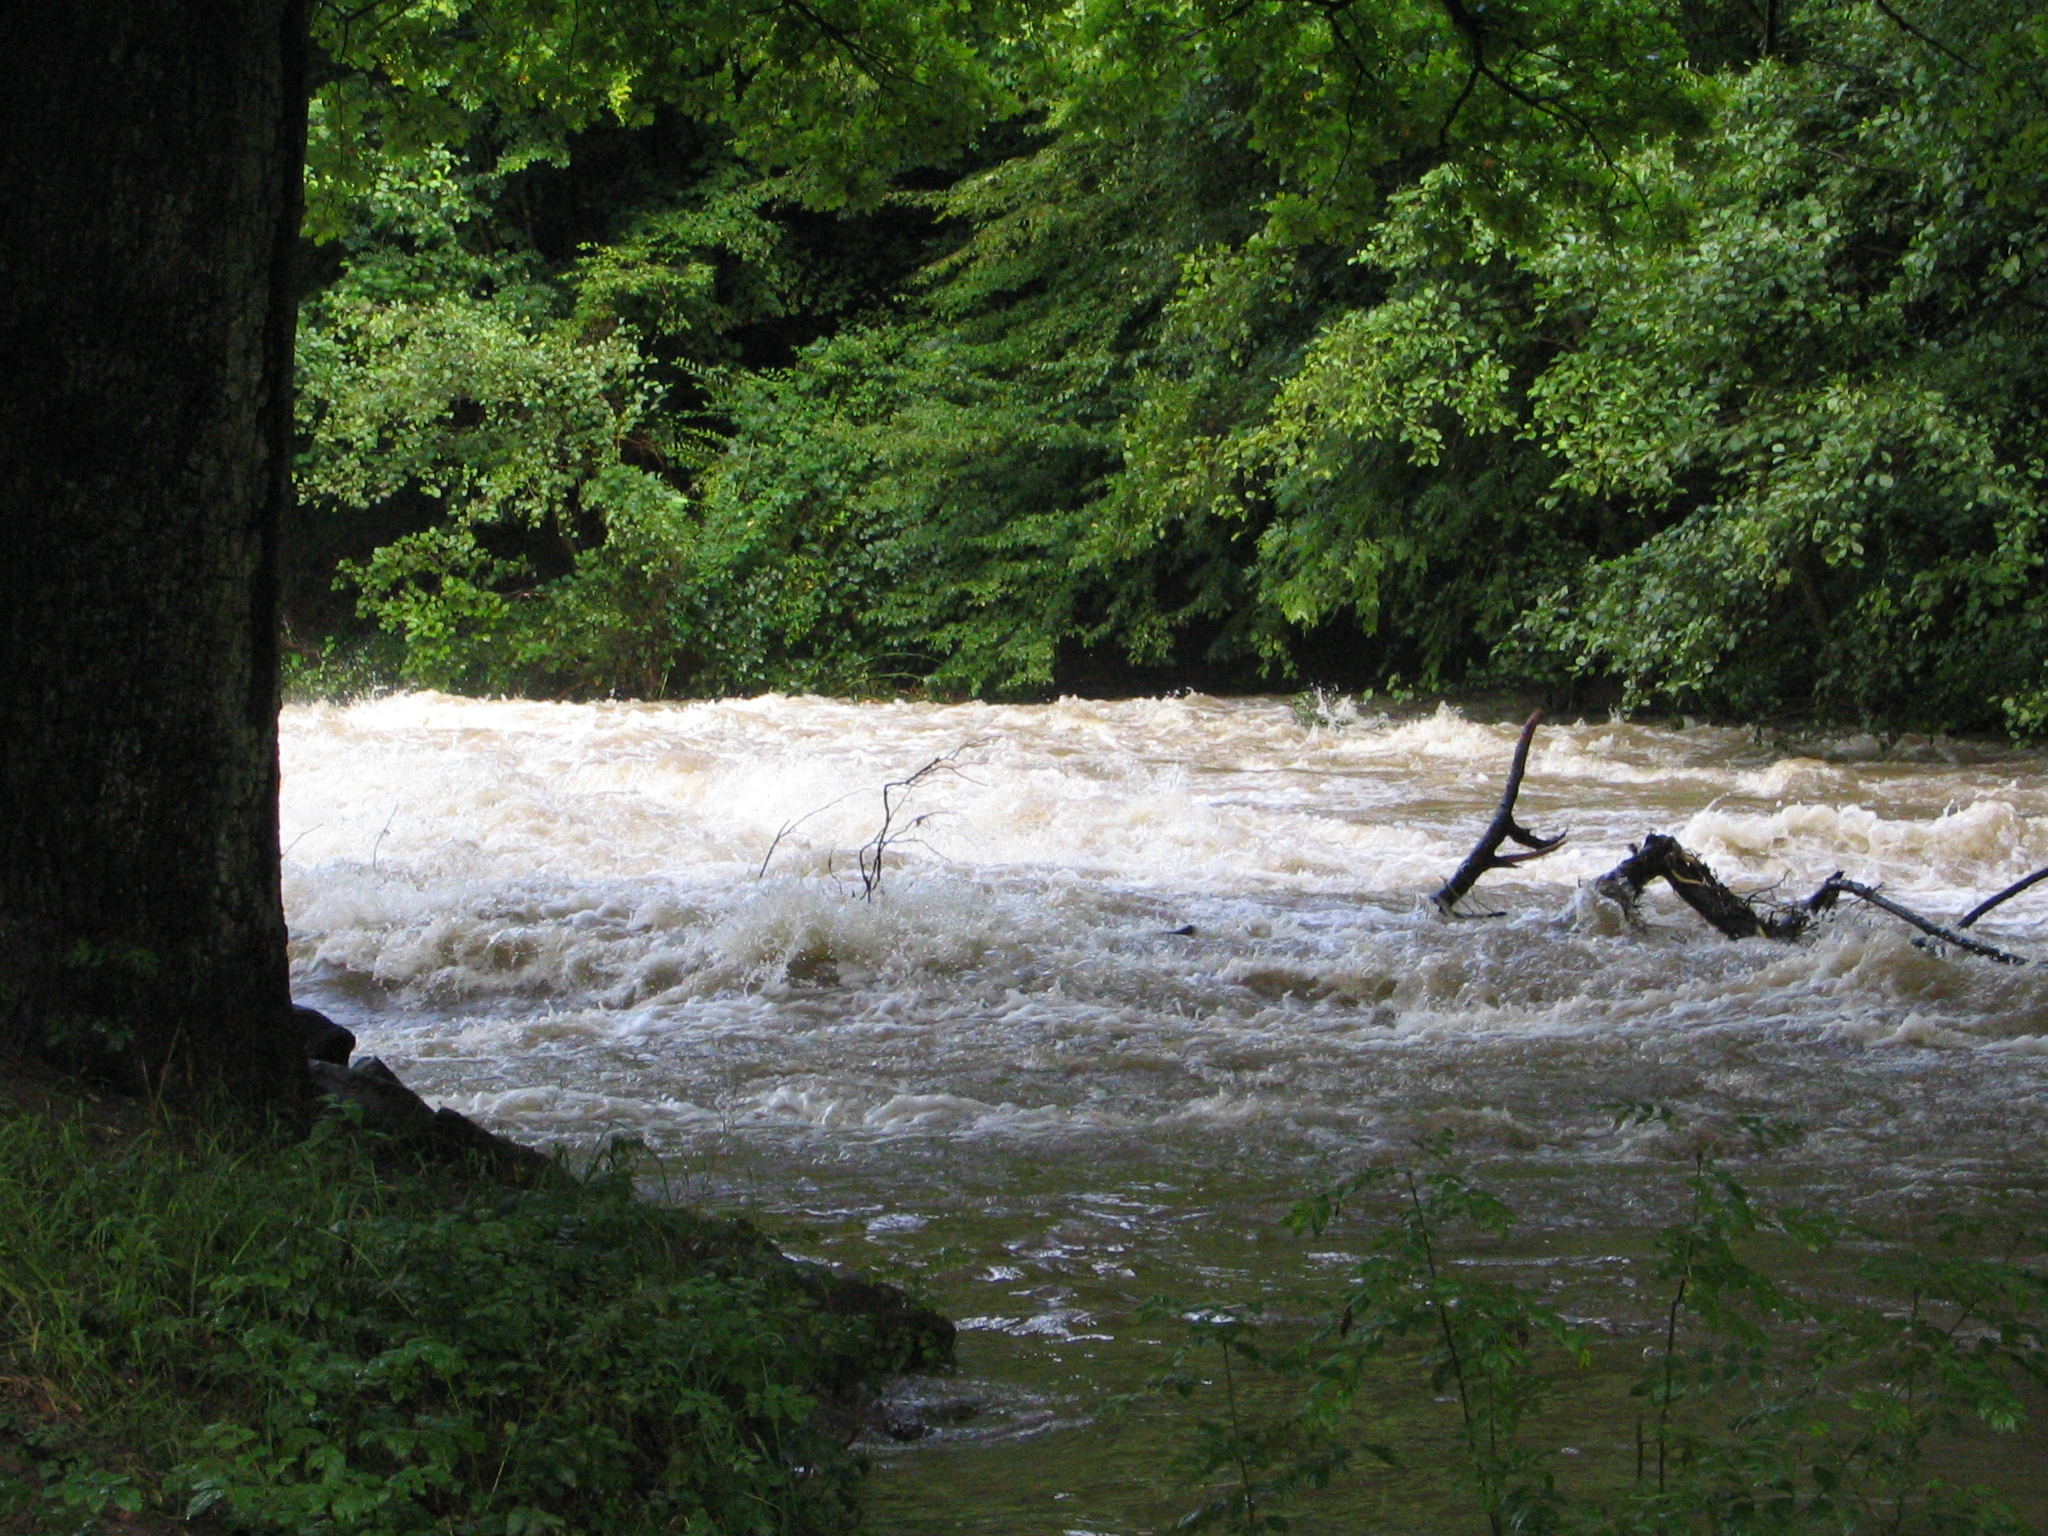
[{"x": 1143, "y": 972}]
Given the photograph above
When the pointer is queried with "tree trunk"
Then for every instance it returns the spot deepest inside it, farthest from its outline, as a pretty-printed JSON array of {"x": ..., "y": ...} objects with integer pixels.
[{"x": 152, "y": 153}]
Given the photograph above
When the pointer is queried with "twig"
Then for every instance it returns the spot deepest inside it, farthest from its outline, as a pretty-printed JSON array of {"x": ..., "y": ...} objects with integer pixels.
[
  {"x": 1486, "y": 854},
  {"x": 876, "y": 848},
  {"x": 872, "y": 854},
  {"x": 374, "y": 846},
  {"x": 790, "y": 826}
]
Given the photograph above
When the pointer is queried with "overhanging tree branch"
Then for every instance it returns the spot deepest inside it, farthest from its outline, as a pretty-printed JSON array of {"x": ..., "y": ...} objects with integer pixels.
[{"x": 1919, "y": 36}]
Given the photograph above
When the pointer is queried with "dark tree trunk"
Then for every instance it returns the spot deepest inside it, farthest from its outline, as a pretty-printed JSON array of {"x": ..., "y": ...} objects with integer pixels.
[{"x": 150, "y": 152}]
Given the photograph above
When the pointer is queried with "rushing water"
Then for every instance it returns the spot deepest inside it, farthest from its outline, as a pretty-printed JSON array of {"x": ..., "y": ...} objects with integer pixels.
[{"x": 1145, "y": 971}]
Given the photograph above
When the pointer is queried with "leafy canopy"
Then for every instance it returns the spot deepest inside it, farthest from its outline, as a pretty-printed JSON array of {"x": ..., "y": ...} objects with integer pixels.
[{"x": 1679, "y": 349}]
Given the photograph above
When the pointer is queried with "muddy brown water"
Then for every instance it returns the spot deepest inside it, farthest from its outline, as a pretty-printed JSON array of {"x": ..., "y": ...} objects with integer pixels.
[{"x": 1148, "y": 971}]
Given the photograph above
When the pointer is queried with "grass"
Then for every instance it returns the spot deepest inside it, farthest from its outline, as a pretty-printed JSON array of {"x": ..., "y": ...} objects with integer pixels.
[{"x": 251, "y": 1335}]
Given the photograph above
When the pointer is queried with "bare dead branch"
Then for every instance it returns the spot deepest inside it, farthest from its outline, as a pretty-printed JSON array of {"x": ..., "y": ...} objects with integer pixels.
[
  {"x": 876, "y": 848},
  {"x": 2003, "y": 896},
  {"x": 1933, "y": 929},
  {"x": 790, "y": 826},
  {"x": 1746, "y": 917},
  {"x": 872, "y": 855},
  {"x": 1486, "y": 854}
]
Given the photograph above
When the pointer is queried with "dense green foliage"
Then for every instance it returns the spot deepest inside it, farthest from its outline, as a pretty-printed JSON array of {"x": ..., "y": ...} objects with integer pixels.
[
  {"x": 1687, "y": 351},
  {"x": 1823, "y": 1385},
  {"x": 293, "y": 1340}
]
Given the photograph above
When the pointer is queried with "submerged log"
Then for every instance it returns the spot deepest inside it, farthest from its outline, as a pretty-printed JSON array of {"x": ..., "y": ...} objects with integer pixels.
[
  {"x": 1659, "y": 857},
  {"x": 1486, "y": 854}
]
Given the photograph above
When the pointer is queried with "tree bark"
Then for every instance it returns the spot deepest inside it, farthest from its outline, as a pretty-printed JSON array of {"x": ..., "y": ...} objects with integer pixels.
[
  {"x": 1665, "y": 858},
  {"x": 152, "y": 152}
]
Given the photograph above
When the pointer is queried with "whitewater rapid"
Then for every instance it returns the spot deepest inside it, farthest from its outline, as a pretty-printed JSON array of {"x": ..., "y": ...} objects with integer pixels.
[
  {"x": 557, "y": 917},
  {"x": 570, "y": 900}
]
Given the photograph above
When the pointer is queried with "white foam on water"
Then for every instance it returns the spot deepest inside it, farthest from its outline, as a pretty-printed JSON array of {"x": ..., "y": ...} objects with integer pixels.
[{"x": 1189, "y": 921}]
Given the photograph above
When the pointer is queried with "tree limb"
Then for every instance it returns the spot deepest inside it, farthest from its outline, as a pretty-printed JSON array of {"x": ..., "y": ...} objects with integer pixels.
[
  {"x": 1486, "y": 854},
  {"x": 1935, "y": 43},
  {"x": 1743, "y": 917},
  {"x": 1665, "y": 858},
  {"x": 1862, "y": 892},
  {"x": 2003, "y": 896}
]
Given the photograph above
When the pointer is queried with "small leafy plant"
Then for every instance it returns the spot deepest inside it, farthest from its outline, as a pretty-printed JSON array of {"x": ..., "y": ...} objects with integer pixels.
[{"x": 1754, "y": 1406}]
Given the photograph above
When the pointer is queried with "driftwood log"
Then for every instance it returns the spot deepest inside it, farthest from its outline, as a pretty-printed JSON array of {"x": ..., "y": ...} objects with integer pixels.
[{"x": 1659, "y": 857}]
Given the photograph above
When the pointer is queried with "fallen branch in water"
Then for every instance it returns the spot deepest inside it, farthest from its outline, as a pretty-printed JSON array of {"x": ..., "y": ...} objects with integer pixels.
[
  {"x": 1486, "y": 854},
  {"x": 1823, "y": 898},
  {"x": 1744, "y": 917},
  {"x": 1664, "y": 858},
  {"x": 875, "y": 848},
  {"x": 1659, "y": 857},
  {"x": 2003, "y": 896}
]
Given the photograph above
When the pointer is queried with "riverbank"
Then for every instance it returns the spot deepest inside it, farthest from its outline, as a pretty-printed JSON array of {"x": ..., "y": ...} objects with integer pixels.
[{"x": 205, "y": 1325}]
